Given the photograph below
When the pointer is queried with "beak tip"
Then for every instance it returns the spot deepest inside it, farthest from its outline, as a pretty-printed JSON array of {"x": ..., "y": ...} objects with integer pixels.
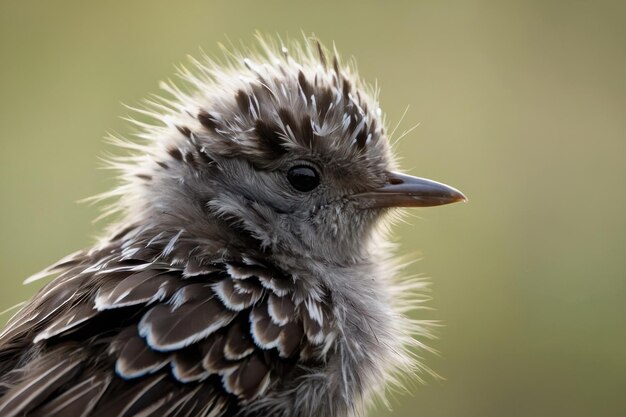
[{"x": 460, "y": 198}]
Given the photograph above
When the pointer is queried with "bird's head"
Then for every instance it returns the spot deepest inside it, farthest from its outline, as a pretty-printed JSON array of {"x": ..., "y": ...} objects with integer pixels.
[{"x": 284, "y": 150}]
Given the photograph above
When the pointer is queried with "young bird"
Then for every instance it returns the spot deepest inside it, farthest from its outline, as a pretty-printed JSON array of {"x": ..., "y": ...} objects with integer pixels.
[{"x": 248, "y": 274}]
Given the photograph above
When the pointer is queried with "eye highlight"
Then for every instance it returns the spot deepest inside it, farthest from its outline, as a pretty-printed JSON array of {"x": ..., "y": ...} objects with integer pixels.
[{"x": 303, "y": 178}]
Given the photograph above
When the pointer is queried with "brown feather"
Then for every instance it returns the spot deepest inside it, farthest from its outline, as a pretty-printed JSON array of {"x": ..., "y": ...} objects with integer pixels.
[
  {"x": 137, "y": 359},
  {"x": 238, "y": 343},
  {"x": 77, "y": 401},
  {"x": 166, "y": 328},
  {"x": 142, "y": 287},
  {"x": 250, "y": 379},
  {"x": 43, "y": 377}
]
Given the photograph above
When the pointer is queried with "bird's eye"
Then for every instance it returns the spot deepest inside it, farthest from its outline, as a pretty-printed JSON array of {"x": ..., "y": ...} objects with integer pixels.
[{"x": 303, "y": 178}]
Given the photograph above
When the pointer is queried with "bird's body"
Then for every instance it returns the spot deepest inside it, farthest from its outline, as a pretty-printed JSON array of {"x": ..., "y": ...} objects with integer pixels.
[{"x": 248, "y": 275}]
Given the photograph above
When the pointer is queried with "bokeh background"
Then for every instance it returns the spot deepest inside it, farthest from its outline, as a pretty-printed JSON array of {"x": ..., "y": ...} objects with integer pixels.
[{"x": 522, "y": 105}]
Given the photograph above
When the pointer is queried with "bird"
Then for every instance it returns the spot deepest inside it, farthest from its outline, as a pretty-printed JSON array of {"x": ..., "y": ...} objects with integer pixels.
[{"x": 247, "y": 271}]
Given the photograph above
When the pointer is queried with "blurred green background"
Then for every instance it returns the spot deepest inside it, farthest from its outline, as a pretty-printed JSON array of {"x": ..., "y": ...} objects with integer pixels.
[{"x": 522, "y": 105}]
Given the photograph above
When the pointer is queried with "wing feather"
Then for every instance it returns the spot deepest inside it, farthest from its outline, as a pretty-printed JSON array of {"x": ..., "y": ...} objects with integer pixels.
[
  {"x": 44, "y": 376},
  {"x": 138, "y": 337},
  {"x": 77, "y": 401}
]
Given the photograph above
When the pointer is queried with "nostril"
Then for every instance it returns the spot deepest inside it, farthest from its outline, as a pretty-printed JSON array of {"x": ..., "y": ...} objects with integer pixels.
[{"x": 395, "y": 181}]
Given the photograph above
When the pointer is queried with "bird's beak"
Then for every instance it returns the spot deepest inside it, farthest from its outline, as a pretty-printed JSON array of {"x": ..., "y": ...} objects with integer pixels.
[{"x": 402, "y": 190}]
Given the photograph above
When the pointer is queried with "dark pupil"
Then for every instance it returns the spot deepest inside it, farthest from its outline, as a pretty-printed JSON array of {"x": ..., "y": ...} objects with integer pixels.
[{"x": 303, "y": 178}]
